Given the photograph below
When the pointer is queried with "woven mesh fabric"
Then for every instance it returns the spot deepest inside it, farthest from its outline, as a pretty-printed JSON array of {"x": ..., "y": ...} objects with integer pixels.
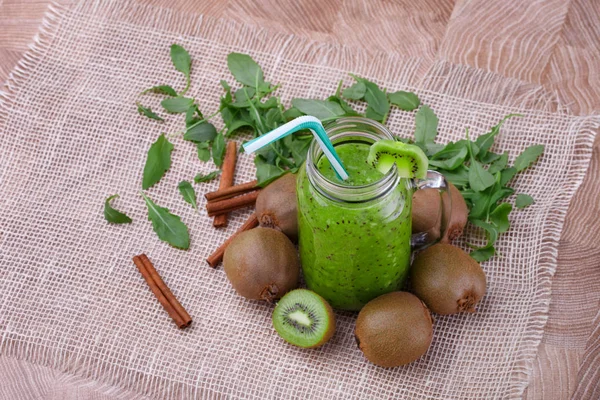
[{"x": 71, "y": 298}]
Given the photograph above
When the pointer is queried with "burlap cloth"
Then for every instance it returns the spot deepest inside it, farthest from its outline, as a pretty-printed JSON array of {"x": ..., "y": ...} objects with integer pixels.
[{"x": 71, "y": 299}]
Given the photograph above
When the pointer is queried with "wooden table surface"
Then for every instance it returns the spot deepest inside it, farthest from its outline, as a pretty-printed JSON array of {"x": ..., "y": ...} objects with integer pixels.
[{"x": 555, "y": 43}]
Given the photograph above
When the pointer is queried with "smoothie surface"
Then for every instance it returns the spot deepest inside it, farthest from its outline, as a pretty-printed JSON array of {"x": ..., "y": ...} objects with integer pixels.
[{"x": 354, "y": 157}]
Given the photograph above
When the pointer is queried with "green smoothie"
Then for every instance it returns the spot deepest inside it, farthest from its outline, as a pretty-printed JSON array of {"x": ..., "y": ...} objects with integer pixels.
[{"x": 353, "y": 252}]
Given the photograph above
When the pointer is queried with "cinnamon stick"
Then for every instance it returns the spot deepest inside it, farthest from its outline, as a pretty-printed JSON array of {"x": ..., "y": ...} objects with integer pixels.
[
  {"x": 215, "y": 258},
  {"x": 162, "y": 292},
  {"x": 231, "y": 191},
  {"x": 226, "y": 178},
  {"x": 228, "y": 205}
]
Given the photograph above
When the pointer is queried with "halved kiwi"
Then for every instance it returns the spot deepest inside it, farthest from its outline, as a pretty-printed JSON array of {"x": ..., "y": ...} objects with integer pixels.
[
  {"x": 409, "y": 158},
  {"x": 304, "y": 319}
]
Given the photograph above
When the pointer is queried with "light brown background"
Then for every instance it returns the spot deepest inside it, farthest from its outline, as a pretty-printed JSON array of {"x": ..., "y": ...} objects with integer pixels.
[{"x": 555, "y": 43}]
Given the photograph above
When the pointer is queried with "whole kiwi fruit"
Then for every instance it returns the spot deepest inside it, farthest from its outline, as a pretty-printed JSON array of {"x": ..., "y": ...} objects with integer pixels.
[
  {"x": 447, "y": 279},
  {"x": 394, "y": 329},
  {"x": 277, "y": 206},
  {"x": 426, "y": 216},
  {"x": 262, "y": 264}
]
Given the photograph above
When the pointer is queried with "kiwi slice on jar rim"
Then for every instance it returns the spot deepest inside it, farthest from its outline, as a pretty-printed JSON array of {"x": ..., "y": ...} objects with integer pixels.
[
  {"x": 410, "y": 160},
  {"x": 304, "y": 319}
]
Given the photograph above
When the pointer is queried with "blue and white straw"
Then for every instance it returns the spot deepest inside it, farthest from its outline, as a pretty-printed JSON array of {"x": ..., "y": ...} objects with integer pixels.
[{"x": 298, "y": 124}]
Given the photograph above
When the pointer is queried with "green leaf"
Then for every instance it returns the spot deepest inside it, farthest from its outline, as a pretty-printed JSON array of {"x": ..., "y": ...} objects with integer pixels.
[
  {"x": 193, "y": 115},
  {"x": 491, "y": 231},
  {"x": 355, "y": 92},
  {"x": 114, "y": 216},
  {"x": 488, "y": 157},
  {"x": 265, "y": 172},
  {"x": 162, "y": 89},
  {"x": 167, "y": 226},
  {"x": 372, "y": 114},
  {"x": 204, "y": 132},
  {"x": 319, "y": 108},
  {"x": 203, "y": 151},
  {"x": 177, "y": 105},
  {"x": 206, "y": 178},
  {"x": 506, "y": 175},
  {"x": 528, "y": 156},
  {"x": 484, "y": 142},
  {"x": 225, "y": 85},
  {"x": 376, "y": 98},
  {"x": 188, "y": 193},
  {"x": 479, "y": 178},
  {"x": 292, "y": 113},
  {"x": 499, "y": 164},
  {"x": 406, "y": 101},
  {"x": 245, "y": 70},
  {"x": 483, "y": 254},
  {"x": 426, "y": 125},
  {"x": 453, "y": 158},
  {"x": 348, "y": 110},
  {"x": 181, "y": 59},
  {"x": 158, "y": 161},
  {"x": 147, "y": 111},
  {"x": 218, "y": 150},
  {"x": 500, "y": 217},
  {"x": 458, "y": 177},
  {"x": 523, "y": 200}
]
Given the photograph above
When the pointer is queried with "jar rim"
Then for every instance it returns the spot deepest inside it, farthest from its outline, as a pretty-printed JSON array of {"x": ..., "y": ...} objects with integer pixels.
[{"x": 351, "y": 128}]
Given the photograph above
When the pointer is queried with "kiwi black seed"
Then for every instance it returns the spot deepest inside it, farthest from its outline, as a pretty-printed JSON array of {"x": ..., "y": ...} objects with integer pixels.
[
  {"x": 394, "y": 329},
  {"x": 447, "y": 279},
  {"x": 304, "y": 319},
  {"x": 277, "y": 206},
  {"x": 262, "y": 264}
]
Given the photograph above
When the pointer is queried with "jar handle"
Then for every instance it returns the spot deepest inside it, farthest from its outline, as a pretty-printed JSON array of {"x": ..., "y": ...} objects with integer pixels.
[{"x": 434, "y": 180}]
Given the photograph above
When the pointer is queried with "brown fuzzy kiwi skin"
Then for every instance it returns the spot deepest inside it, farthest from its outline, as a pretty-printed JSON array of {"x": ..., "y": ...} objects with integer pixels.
[
  {"x": 262, "y": 264},
  {"x": 426, "y": 216},
  {"x": 277, "y": 206},
  {"x": 394, "y": 329},
  {"x": 458, "y": 216},
  {"x": 447, "y": 279}
]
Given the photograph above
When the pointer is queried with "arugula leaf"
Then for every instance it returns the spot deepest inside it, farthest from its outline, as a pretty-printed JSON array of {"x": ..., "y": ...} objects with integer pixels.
[
  {"x": 500, "y": 217},
  {"x": 292, "y": 113},
  {"x": 506, "y": 175},
  {"x": 206, "y": 178},
  {"x": 318, "y": 108},
  {"x": 114, "y": 216},
  {"x": 355, "y": 92},
  {"x": 266, "y": 172},
  {"x": 458, "y": 176},
  {"x": 147, "y": 111},
  {"x": 489, "y": 157},
  {"x": 348, "y": 110},
  {"x": 406, "y": 101},
  {"x": 193, "y": 115},
  {"x": 203, "y": 151},
  {"x": 499, "y": 164},
  {"x": 452, "y": 156},
  {"x": 218, "y": 150},
  {"x": 483, "y": 254},
  {"x": 245, "y": 70},
  {"x": 484, "y": 142},
  {"x": 158, "y": 161},
  {"x": 203, "y": 132},
  {"x": 426, "y": 125},
  {"x": 235, "y": 119},
  {"x": 376, "y": 98},
  {"x": 225, "y": 85},
  {"x": 188, "y": 193},
  {"x": 490, "y": 230},
  {"x": 528, "y": 156},
  {"x": 372, "y": 114},
  {"x": 479, "y": 178},
  {"x": 167, "y": 226},
  {"x": 523, "y": 200},
  {"x": 161, "y": 89},
  {"x": 183, "y": 63},
  {"x": 177, "y": 105}
]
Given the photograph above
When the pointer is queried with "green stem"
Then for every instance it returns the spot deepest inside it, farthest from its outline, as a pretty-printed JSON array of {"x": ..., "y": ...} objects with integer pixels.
[
  {"x": 187, "y": 85},
  {"x": 204, "y": 119},
  {"x": 389, "y": 108},
  {"x": 339, "y": 88}
]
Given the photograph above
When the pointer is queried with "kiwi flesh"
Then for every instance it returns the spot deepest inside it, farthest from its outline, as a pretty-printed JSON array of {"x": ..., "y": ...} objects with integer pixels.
[
  {"x": 277, "y": 206},
  {"x": 304, "y": 319},
  {"x": 394, "y": 329},
  {"x": 262, "y": 264},
  {"x": 426, "y": 215},
  {"x": 410, "y": 160},
  {"x": 447, "y": 279}
]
